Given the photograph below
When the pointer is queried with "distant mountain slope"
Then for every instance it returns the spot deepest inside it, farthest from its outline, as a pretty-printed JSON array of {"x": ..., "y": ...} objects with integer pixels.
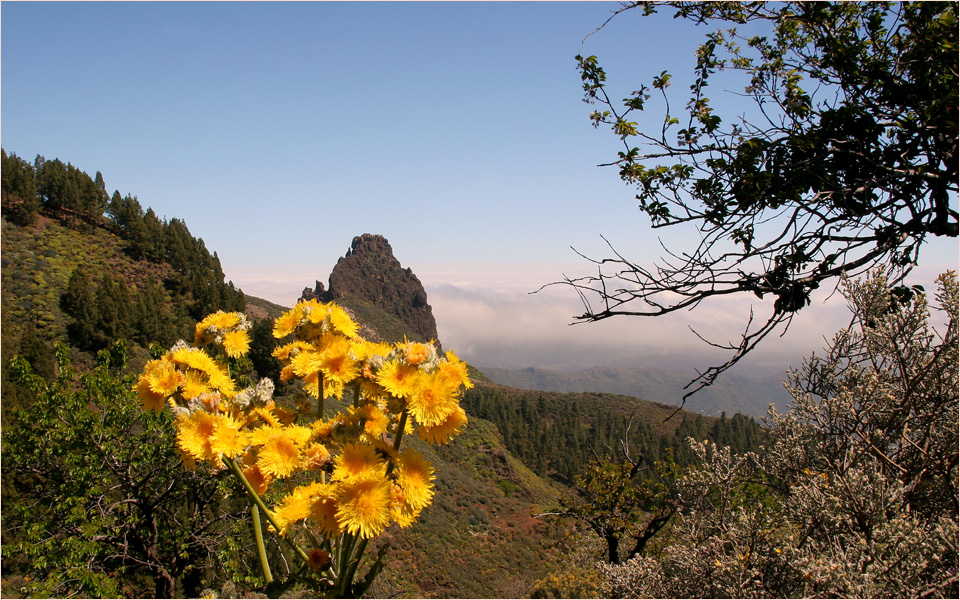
[
  {"x": 557, "y": 434},
  {"x": 732, "y": 394},
  {"x": 258, "y": 308}
]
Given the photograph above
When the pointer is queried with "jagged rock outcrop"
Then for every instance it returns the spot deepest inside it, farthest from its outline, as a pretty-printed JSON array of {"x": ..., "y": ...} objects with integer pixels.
[{"x": 369, "y": 271}]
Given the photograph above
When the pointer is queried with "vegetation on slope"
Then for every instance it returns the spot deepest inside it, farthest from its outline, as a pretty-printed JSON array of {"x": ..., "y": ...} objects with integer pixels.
[{"x": 558, "y": 434}]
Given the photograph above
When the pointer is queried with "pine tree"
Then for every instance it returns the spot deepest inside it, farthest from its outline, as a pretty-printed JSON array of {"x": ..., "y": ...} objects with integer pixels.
[
  {"x": 152, "y": 321},
  {"x": 35, "y": 350},
  {"x": 79, "y": 303},
  {"x": 19, "y": 189},
  {"x": 112, "y": 310}
]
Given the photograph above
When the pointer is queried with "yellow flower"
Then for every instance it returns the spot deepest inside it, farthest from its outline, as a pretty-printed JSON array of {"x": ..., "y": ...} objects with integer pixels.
[
  {"x": 403, "y": 513},
  {"x": 357, "y": 460},
  {"x": 442, "y": 432},
  {"x": 416, "y": 353},
  {"x": 286, "y": 351},
  {"x": 222, "y": 382},
  {"x": 455, "y": 368},
  {"x": 433, "y": 398},
  {"x": 322, "y": 429},
  {"x": 366, "y": 350},
  {"x": 323, "y": 510},
  {"x": 375, "y": 421},
  {"x": 227, "y": 439},
  {"x": 336, "y": 361},
  {"x": 295, "y": 506},
  {"x": 397, "y": 378},
  {"x": 307, "y": 362},
  {"x": 217, "y": 321},
  {"x": 201, "y": 361},
  {"x": 204, "y": 436},
  {"x": 315, "y": 456},
  {"x": 257, "y": 479},
  {"x": 287, "y": 323},
  {"x": 194, "y": 384},
  {"x": 311, "y": 385},
  {"x": 236, "y": 343},
  {"x": 279, "y": 456},
  {"x": 220, "y": 320},
  {"x": 341, "y": 322},
  {"x": 164, "y": 379},
  {"x": 315, "y": 311},
  {"x": 364, "y": 505},
  {"x": 193, "y": 358},
  {"x": 267, "y": 413},
  {"x": 150, "y": 399},
  {"x": 415, "y": 476}
]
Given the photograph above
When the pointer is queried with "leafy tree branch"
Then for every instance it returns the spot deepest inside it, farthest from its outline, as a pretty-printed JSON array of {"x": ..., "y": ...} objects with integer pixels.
[{"x": 843, "y": 159}]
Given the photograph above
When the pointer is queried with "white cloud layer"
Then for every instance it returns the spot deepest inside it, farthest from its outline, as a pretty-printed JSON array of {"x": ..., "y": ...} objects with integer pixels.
[
  {"x": 488, "y": 327},
  {"x": 487, "y": 314}
]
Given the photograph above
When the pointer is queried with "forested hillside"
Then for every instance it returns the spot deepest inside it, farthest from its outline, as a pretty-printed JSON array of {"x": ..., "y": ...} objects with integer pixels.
[
  {"x": 121, "y": 270},
  {"x": 558, "y": 434},
  {"x": 86, "y": 268}
]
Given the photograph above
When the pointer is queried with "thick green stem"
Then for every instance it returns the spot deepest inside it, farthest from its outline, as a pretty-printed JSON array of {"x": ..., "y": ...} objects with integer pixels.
[
  {"x": 235, "y": 469},
  {"x": 353, "y": 564},
  {"x": 347, "y": 541},
  {"x": 261, "y": 549},
  {"x": 400, "y": 428}
]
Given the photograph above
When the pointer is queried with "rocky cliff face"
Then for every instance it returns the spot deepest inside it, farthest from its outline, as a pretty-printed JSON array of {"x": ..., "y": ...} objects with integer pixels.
[{"x": 370, "y": 271}]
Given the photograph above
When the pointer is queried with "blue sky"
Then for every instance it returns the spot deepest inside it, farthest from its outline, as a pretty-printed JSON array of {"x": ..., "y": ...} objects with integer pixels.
[{"x": 279, "y": 131}]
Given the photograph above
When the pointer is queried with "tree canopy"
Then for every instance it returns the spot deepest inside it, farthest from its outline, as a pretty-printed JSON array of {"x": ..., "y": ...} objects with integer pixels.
[
  {"x": 96, "y": 501},
  {"x": 841, "y": 158}
]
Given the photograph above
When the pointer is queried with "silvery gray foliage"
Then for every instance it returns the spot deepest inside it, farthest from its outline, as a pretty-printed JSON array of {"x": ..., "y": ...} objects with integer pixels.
[{"x": 856, "y": 493}]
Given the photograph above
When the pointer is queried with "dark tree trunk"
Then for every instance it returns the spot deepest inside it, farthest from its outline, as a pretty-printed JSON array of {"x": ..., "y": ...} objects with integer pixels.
[{"x": 613, "y": 548}]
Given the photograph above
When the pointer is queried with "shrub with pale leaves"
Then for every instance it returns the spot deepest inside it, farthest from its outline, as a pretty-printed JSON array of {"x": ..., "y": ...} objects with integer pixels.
[{"x": 856, "y": 493}]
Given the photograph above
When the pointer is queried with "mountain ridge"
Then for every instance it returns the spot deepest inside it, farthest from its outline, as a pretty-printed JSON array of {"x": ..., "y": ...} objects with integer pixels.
[{"x": 370, "y": 272}]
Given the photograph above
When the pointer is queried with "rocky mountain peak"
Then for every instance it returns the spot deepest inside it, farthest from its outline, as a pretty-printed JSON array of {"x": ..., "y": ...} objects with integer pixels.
[{"x": 370, "y": 271}]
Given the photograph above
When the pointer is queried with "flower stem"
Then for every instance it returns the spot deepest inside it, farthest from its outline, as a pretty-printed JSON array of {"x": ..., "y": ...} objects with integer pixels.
[
  {"x": 400, "y": 428},
  {"x": 320, "y": 400},
  {"x": 261, "y": 549},
  {"x": 347, "y": 541},
  {"x": 353, "y": 564},
  {"x": 235, "y": 469}
]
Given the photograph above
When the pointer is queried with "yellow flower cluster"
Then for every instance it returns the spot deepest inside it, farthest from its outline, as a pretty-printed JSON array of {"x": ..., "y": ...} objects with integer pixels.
[
  {"x": 364, "y": 482},
  {"x": 228, "y": 330},
  {"x": 409, "y": 376},
  {"x": 371, "y": 483}
]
